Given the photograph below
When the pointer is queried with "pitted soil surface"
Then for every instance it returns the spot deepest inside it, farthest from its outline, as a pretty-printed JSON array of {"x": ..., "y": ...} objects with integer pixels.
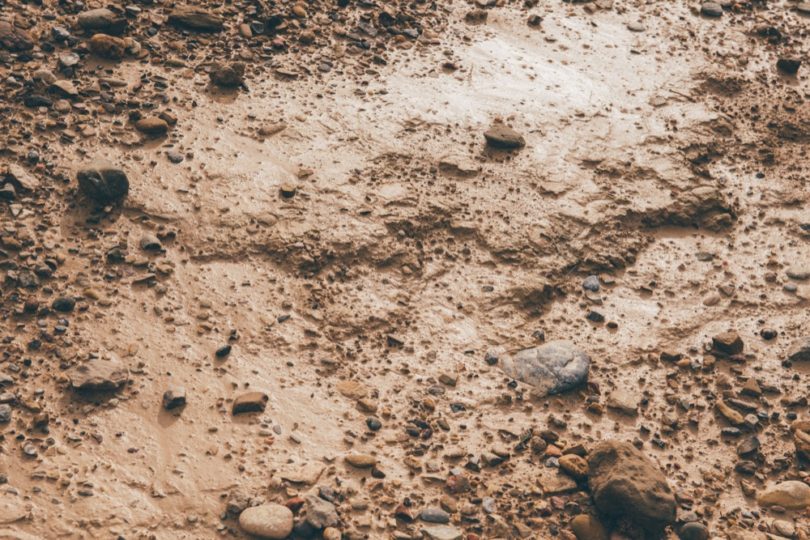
[{"x": 338, "y": 221}]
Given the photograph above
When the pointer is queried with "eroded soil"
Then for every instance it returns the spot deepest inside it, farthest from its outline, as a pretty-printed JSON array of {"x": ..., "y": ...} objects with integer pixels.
[{"x": 341, "y": 223}]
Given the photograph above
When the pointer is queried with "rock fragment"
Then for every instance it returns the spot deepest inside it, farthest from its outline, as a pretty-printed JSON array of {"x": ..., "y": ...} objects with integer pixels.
[
  {"x": 99, "y": 375},
  {"x": 271, "y": 521},
  {"x": 250, "y": 402},
  {"x": 229, "y": 75},
  {"x": 103, "y": 184},
  {"x": 14, "y": 39},
  {"x": 102, "y": 20},
  {"x": 551, "y": 368},
  {"x": 174, "y": 398},
  {"x": 504, "y": 138},
  {"x": 625, "y": 484},
  {"x": 728, "y": 343},
  {"x": 791, "y": 495},
  {"x": 195, "y": 19},
  {"x": 799, "y": 350}
]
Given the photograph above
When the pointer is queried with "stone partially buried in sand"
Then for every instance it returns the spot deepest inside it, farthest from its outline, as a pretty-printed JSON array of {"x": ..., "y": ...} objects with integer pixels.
[
  {"x": 197, "y": 19},
  {"x": 504, "y": 138},
  {"x": 250, "y": 402},
  {"x": 270, "y": 521},
  {"x": 552, "y": 368},
  {"x": 99, "y": 375},
  {"x": 627, "y": 485}
]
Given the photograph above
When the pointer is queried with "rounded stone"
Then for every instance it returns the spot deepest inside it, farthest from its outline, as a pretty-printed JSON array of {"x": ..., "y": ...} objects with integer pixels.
[
  {"x": 587, "y": 527},
  {"x": 271, "y": 521},
  {"x": 693, "y": 531}
]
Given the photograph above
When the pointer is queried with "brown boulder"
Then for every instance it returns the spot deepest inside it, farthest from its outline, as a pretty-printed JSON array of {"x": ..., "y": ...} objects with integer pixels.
[
  {"x": 193, "y": 18},
  {"x": 14, "y": 39},
  {"x": 627, "y": 486},
  {"x": 109, "y": 47}
]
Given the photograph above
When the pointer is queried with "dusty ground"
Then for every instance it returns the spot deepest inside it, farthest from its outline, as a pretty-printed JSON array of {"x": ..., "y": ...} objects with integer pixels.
[{"x": 669, "y": 157}]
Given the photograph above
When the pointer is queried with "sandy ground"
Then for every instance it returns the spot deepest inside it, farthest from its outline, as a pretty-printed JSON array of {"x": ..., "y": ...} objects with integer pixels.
[{"x": 670, "y": 161}]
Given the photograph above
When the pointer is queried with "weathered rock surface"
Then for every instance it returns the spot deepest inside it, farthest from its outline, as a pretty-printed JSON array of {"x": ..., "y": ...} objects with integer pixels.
[
  {"x": 626, "y": 485},
  {"x": 270, "y": 521},
  {"x": 99, "y": 375},
  {"x": 791, "y": 495},
  {"x": 228, "y": 75},
  {"x": 103, "y": 184},
  {"x": 102, "y": 20},
  {"x": 552, "y": 368},
  {"x": 504, "y": 137},
  {"x": 14, "y": 39},
  {"x": 250, "y": 402},
  {"x": 197, "y": 19},
  {"x": 799, "y": 350}
]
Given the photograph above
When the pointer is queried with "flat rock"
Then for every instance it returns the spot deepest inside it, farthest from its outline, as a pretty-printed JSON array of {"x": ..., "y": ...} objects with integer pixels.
[
  {"x": 250, "y": 402},
  {"x": 504, "y": 137},
  {"x": 271, "y": 521},
  {"x": 99, "y": 375},
  {"x": 442, "y": 532},
  {"x": 361, "y": 461},
  {"x": 303, "y": 474},
  {"x": 101, "y": 20},
  {"x": 320, "y": 513},
  {"x": 103, "y": 184},
  {"x": 352, "y": 389},
  {"x": 624, "y": 402},
  {"x": 21, "y": 178},
  {"x": 711, "y": 9},
  {"x": 552, "y": 368},
  {"x": 14, "y": 39},
  {"x": 625, "y": 484},
  {"x": 434, "y": 515},
  {"x": 799, "y": 350},
  {"x": 196, "y": 19},
  {"x": 792, "y": 495}
]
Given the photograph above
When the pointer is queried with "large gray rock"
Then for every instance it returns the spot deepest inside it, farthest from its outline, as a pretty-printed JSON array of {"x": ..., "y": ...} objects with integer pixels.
[
  {"x": 800, "y": 350},
  {"x": 626, "y": 485},
  {"x": 272, "y": 521},
  {"x": 552, "y": 368}
]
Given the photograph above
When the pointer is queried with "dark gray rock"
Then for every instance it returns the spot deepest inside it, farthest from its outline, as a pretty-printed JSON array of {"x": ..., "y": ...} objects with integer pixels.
[
  {"x": 591, "y": 283},
  {"x": 552, "y": 368},
  {"x": 103, "y": 184}
]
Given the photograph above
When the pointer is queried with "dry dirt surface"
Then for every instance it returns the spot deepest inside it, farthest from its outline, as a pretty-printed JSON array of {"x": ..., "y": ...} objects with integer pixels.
[{"x": 371, "y": 269}]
